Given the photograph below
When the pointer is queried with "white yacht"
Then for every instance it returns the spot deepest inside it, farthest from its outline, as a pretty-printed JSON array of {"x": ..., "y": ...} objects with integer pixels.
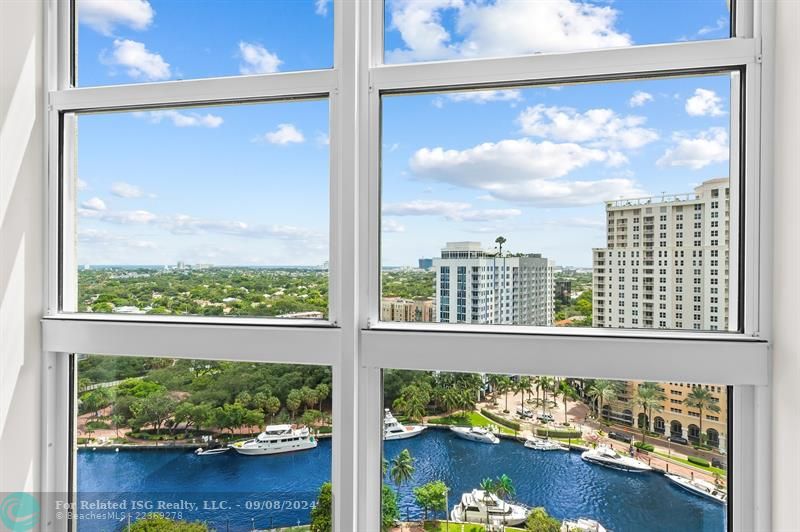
[
  {"x": 277, "y": 439},
  {"x": 699, "y": 487},
  {"x": 482, "y": 507},
  {"x": 606, "y": 456},
  {"x": 211, "y": 450},
  {"x": 394, "y": 430},
  {"x": 540, "y": 444},
  {"x": 582, "y": 525},
  {"x": 478, "y": 434}
]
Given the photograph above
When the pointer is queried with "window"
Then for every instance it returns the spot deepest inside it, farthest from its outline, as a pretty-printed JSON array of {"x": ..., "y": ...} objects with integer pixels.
[
  {"x": 441, "y": 204},
  {"x": 134, "y": 42},
  {"x": 434, "y": 31},
  {"x": 157, "y": 234},
  {"x": 516, "y": 417},
  {"x": 419, "y": 203},
  {"x": 209, "y": 417}
]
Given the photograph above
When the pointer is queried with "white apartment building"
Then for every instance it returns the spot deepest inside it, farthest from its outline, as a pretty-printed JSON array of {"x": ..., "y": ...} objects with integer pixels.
[
  {"x": 666, "y": 264},
  {"x": 474, "y": 285}
]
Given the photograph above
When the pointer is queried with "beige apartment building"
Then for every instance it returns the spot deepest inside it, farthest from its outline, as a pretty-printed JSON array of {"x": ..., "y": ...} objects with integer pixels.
[
  {"x": 674, "y": 418},
  {"x": 667, "y": 262},
  {"x": 400, "y": 309}
]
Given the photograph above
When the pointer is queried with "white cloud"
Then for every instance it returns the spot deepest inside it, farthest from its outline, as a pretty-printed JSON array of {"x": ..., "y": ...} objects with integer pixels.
[
  {"x": 94, "y": 204},
  {"x": 640, "y": 98},
  {"x": 96, "y": 236},
  {"x": 454, "y": 211},
  {"x": 126, "y": 190},
  {"x": 722, "y": 23},
  {"x": 285, "y": 134},
  {"x": 120, "y": 217},
  {"x": 180, "y": 119},
  {"x": 704, "y": 103},
  {"x": 321, "y": 7},
  {"x": 523, "y": 171},
  {"x": 82, "y": 185},
  {"x": 323, "y": 139},
  {"x": 500, "y": 28},
  {"x": 600, "y": 127},
  {"x": 480, "y": 97},
  {"x": 389, "y": 225},
  {"x": 138, "y": 60},
  {"x": 709, "y": 146},
  {"x": 104, "y": 15},
  {"x": 257, "y": 59},
  {"x": 616, "y": 159}
]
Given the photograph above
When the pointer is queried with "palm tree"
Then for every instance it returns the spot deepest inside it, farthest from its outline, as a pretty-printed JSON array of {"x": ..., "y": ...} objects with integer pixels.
[
  {"x": 451, "y": 399},
  {"x": 546, "y": 384},
  {"x": 493, "y": 379},
  {"x": 649, "y": 397},
  {"x": 402, "y": 469},
  {"x": 500, "y": 241},
  {"x": 566, "y": 391},
  {"x": 703, "y": 400},
  {"x": 505, "y": 386},
  {"x": 504, "y": 488},
  {"x": 488, "y": 486},
  {"x": 600, "y": 391},
  {"x": 521, "y": 387}
]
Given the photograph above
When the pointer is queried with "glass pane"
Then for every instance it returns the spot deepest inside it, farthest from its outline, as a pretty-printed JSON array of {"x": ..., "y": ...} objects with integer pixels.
[
  {"x": 604, "y": 204},
  {"x": 548, "y": 453},
  {"x": 434, "y": 30},
  {"x": 223, "y": 445},
  {"x": 135, "y": 41},
  {"x": 219, "y": 211}
]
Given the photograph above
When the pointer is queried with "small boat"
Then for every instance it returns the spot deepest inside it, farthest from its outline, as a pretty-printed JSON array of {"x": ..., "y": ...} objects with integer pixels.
[
  {"x": 478, "y": 434},
  {"x": 479, "y": 506},
  {"x": 540, "y": 444},
  {"x": 699, "y": 487},
  {"x": 582, "y": 524},
  {"x": 394, "y": 430},
  {"x": 277, "y": 439},
  {"x": 608, "y": 457},
  {"x": 213, "y": 448}
]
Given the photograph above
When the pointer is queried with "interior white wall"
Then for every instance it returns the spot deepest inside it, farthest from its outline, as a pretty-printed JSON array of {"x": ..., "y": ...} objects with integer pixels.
[
  {"x": 21, "y": 241},
  {"x": 786, "y": 273}
]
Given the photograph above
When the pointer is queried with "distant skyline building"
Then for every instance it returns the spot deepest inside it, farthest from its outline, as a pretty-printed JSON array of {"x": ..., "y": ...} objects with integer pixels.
[
  {"x": 425, "y": 264},
  {"x": 666, "y": 265},
  {"x": 401, "y": 309},
  {"x": 475, "y": 285}
]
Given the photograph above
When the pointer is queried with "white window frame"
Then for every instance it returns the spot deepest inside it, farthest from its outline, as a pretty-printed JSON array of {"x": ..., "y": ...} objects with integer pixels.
[{"x": 353, "y": 342}]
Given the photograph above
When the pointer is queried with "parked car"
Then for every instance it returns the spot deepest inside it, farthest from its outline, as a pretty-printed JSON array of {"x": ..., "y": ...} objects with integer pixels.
[
  {"x": 678, "y": 439},
  {"x": 524, "y": 412},
  {"x": 545, "y": 418},
  {"x": 716, "y": 462},
  {"x": 620, "y": 436}
]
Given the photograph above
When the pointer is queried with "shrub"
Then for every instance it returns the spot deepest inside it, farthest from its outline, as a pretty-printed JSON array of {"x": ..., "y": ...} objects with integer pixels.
[
  {"x": 558, "y": 433},
  {"x": 644, "y": 446},
  {"x": 698, "y": 461},
  {"x": 158, "y": 523},
  {"x": 499, "y": 419},
  {"x": 95, "y": 425}
]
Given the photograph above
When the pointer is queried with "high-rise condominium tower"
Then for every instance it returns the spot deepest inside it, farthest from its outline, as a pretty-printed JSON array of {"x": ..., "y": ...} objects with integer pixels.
[
  {"x": 474, "y": 285},
  {"x": 667, "y": 261}
]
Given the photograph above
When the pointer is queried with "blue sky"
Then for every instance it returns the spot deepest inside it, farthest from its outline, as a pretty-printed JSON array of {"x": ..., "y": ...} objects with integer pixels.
[{"x": 249, "y": 184}]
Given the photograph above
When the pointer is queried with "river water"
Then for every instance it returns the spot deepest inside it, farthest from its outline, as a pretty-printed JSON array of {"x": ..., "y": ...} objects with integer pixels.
[{"x": 233, "y": 492}]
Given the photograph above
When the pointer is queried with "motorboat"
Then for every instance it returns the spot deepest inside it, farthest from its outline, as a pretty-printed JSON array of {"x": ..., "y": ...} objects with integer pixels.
[
  {"x": 582, "y": 524},
  {"x": 479, "y": 506},
  {"x": 478, "y": 434},
  {"x": 213, "y": 448},
  {"x": 541, "y": 444},
  {"x": 394, "y": 430},
  {"x": 608, "y": 457},
  {"x": 699, "y": 487},
  {"x": 277, "y": 439}
]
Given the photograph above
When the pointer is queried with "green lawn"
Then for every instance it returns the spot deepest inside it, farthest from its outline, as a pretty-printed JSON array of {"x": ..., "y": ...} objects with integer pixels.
[
  {"x": 476, "y": 419},
  {"x": 712, "y": 470}
]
